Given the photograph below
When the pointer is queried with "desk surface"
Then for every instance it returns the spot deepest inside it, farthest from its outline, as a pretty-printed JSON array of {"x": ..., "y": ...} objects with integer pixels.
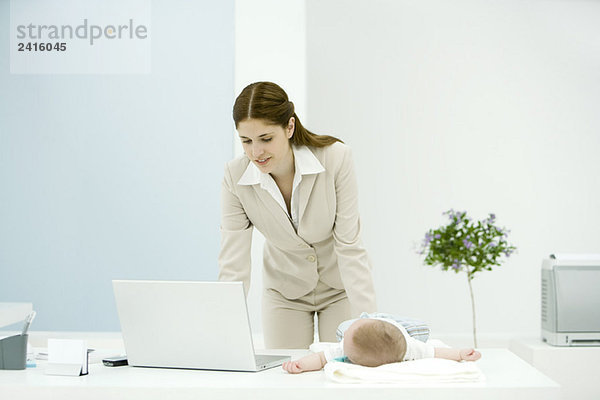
[
  {"x": 507, "y": 377},
  {"x": 575, "y": 368}
]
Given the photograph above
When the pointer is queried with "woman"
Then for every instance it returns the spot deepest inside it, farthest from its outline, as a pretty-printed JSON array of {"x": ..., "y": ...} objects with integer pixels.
[{"x": 299, "y": 190}]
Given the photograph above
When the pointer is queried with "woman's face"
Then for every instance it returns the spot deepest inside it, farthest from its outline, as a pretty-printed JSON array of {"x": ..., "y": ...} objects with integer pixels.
[{"x": 267, "y": 146}]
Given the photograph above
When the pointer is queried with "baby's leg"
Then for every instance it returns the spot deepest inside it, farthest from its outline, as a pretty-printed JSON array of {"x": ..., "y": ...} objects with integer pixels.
[
  {"x": 342, "y": 328},
  {"x": 415, "y": 328}
]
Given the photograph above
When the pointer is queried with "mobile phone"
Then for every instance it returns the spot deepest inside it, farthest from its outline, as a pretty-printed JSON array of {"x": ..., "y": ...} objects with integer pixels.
[{"x": 115, "y": 361}]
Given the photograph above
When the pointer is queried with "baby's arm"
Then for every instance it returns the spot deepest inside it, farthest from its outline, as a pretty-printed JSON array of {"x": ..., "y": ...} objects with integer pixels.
[
  {"x": 457, "y": 354},
  {"x": 311, "y": 362}
]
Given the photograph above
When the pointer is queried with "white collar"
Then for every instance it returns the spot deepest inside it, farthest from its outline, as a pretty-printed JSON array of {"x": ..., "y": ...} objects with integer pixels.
[{"x": 304, "y": 160}]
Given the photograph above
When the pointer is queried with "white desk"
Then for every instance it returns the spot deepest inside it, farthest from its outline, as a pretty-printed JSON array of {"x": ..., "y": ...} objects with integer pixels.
[
  {"x": 508, "y": 377},
  {"x": 576, "y": 369}
]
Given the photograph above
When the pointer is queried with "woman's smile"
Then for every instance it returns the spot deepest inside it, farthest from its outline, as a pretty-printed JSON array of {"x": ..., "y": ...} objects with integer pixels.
[{"x": 261, "y": 162}]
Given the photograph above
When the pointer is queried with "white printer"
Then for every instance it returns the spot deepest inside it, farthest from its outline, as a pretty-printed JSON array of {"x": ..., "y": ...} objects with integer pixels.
[{"x": 571, "y": 300}]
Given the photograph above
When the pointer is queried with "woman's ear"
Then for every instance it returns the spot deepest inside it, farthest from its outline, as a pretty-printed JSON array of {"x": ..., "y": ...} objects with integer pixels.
[{"x": 290, "y": 127}]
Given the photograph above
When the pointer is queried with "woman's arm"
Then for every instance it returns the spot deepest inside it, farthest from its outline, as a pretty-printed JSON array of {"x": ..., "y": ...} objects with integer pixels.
[
  {"x": 353, "y": 261},
  {"x": 236, "y": 236}
]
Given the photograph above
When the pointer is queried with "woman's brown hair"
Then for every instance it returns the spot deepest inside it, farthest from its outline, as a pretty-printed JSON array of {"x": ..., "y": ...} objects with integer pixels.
[{"x": 269, "y": 102}]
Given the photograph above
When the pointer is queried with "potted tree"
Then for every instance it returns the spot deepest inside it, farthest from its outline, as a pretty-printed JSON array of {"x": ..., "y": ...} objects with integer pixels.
[{"x": 468, "y": 246}]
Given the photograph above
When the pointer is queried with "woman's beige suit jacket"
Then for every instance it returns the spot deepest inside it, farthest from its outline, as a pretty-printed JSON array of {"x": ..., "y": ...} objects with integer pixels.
[{"x": 327, "y": 245}]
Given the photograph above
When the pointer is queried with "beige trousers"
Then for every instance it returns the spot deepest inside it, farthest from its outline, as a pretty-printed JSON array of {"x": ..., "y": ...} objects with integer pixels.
[{"x": 289, "y": 324}]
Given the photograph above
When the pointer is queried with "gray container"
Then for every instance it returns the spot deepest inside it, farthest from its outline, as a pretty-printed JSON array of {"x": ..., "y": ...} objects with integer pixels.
[{"x": 13, "y": 352}]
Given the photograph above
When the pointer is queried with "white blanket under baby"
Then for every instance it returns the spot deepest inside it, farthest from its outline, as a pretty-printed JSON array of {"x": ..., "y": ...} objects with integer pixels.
[
  {"x": 429, "y": 371},
  {"x": 422, "y": 372}
]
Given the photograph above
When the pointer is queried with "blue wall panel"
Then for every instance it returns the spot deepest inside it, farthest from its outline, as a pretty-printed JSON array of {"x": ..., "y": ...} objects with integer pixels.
[{"x": 115, "y": 176}]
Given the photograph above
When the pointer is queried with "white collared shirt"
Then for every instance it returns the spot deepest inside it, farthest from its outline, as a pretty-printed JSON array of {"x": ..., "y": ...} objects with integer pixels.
[{"x": 305, "y": 163}]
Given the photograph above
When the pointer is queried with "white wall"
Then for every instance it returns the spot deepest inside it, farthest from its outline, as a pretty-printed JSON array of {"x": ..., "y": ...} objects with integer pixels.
[
  {"x": 270, "y": 45},
  {"x": 480, "y": 106}
]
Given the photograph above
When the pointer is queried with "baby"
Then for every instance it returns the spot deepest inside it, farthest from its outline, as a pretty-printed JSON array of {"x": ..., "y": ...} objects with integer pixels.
[{"x": 373, "y": 340}]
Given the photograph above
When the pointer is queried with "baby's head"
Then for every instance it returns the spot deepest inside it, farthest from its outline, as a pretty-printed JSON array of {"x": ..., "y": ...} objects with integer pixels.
[{"x": 372, "y": 342}]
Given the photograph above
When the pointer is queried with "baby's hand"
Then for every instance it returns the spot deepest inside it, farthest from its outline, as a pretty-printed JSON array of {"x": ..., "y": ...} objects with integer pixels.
[
  {"x": 293, "y": 367},
  {"x": 469, "y": 355}
]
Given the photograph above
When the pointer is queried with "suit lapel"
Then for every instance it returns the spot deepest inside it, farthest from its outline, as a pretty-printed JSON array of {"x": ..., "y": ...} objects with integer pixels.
[
  {"x": 274, "y": 208},
  {"x": 304, "y": 190}
]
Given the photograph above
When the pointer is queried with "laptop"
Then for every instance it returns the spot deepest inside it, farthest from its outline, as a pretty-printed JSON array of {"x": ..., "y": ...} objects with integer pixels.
[{"x": 184, "y": 324}]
